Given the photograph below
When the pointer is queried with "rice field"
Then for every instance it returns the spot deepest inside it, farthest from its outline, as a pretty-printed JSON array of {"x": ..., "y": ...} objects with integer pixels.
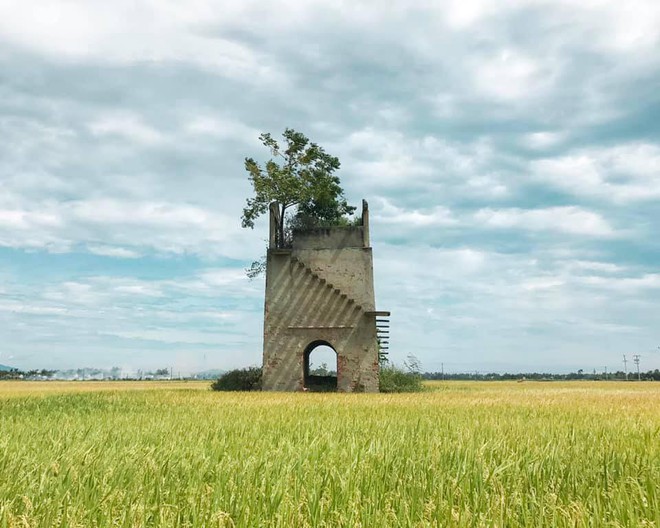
[{"x": 90, "y": 454}]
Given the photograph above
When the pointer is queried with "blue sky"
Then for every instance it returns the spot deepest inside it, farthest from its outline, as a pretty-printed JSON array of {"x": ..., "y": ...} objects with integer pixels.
[{"x": 510, "y": 153}]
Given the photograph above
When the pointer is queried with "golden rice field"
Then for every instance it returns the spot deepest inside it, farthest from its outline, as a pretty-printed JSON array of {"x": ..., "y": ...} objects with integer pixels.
[{"x": 126, "y": 454}]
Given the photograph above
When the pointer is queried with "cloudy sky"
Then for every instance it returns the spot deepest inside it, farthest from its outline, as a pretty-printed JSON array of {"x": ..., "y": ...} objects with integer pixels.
[{"x": 510, "y": 153}]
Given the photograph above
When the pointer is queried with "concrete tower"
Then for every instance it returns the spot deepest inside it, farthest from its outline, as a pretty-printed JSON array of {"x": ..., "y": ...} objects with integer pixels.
[{"x": 320, "y": 291}]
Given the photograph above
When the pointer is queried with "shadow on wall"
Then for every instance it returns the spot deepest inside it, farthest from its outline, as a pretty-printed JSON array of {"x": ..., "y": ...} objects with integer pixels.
[
  {"x": 303, "y": 309},
  {"x": 319, "y": 294}
]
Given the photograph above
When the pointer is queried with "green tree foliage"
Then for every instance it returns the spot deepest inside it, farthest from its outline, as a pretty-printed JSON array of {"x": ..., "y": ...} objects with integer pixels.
[
  {"x": 257, "y": 268},
  {"x": 322, "y": 370},
  {"x": 300, "y": 177},
  {"x": 247, "y": 379}
]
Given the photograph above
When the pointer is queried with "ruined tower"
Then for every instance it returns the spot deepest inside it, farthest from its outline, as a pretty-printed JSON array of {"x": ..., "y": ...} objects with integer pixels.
[{"x": 320, "y": 291}]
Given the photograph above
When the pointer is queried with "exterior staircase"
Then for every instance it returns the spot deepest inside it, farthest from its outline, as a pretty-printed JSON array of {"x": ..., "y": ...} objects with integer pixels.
[
  {"x": 330, "y": 287},
  {"x": 381, "y": 317}
]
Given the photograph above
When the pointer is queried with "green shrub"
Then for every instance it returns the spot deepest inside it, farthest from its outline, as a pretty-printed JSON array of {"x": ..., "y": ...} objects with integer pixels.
[
  {"x": 395, "y": 379},
  {"x": 247, "y": 379}
]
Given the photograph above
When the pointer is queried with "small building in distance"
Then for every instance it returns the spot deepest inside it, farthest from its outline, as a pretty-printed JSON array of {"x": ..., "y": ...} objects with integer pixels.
[{"x": 320, "y": 292}]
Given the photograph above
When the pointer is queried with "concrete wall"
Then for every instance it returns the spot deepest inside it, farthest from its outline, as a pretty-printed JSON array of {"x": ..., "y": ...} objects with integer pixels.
[
  {"x": 323, "y": 293},
  {"x": 329, "y": 238},
  {"x": 349, "y": 269}
]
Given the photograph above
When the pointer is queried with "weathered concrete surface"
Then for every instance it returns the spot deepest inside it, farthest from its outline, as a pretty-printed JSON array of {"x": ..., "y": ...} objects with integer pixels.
[
  {"x": 319, "y": 292},
  {"x": 329, "y": 238}
]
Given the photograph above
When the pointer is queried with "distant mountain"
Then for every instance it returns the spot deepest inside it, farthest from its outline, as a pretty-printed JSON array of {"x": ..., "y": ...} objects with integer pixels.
[{"x": 5, "y": 368}]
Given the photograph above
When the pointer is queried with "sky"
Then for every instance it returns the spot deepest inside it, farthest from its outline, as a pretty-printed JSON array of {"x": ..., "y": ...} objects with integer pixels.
[{"x": 509, "y": 151}]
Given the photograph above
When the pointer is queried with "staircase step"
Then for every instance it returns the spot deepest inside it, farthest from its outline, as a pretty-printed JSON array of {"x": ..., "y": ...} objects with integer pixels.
[{"x": 325, "y": 283}]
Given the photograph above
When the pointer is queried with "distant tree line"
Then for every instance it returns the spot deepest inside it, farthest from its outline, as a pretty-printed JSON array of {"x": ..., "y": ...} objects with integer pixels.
[
  {"x": 26, "y": 374},
  {"x": 114, "y": 373},
  {"x": 542, "y": 376}
]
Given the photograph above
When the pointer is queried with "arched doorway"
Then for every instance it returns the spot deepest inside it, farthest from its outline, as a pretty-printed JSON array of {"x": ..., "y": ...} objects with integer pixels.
[{"x": 320, "y": 367}]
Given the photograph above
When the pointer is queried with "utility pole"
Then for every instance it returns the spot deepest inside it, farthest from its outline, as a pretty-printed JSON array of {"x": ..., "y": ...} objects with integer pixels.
[
  {"x": 625, "y": 366},
  {"x": 442, "y": 366},
  {"x": 605, "y": 372},
  {"x": 636, "y": 360}
]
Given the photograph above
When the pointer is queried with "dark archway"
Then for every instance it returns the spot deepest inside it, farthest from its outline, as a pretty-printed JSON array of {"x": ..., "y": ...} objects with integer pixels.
[{"x": 320, "y": 367}]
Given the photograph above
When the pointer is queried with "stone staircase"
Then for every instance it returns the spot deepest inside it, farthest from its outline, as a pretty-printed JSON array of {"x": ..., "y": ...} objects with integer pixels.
[
  {"x": 381, "y": 318},
  {"x": 323, "y": 282}
]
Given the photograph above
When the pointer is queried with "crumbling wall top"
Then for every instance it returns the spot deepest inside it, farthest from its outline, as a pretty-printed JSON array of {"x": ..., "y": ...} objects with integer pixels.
[
  {"x": 335, "y": 237},
  {"x": 329, "y": 238}
]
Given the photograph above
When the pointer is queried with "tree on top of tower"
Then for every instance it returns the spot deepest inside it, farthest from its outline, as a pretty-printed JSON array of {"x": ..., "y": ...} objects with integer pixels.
[{"x": 300, "y": 178}]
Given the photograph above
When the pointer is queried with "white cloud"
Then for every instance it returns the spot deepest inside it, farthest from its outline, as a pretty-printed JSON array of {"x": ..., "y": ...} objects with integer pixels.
[
  {"x": 387, "y": 159},
  {"x": 628, "y": 285},
  {"x": 168, "y": 335},
  {"x": 93, "y": 309},
  {"x": 463, "y": 13},
  {"x": 122, "y": 224},
  {"x": 222, "y": 129},
  {"x": 570, "y": 219},
  {"x": 30, "y": 309},
  {"x": 487, "y": 185},
  {"x": 509, "y": 75},
  {"x": 536, "y": 305},
  {"x": 387, "y": 213},
  {"x": 32, "y": 229},
  {"x": 222, "y": 277},
  {"x": 134, "y": 32},
  {"x": 129, "y": 126},
  {"x": 152, "y": 214},
  {"x": 75, "y": 292},
  {"x": 623, "y": 173},
  {"x": 632, "y": 26},
  {"x": 148, "y": 290},
  {"x": 602, "y": 267},
  {"x": 112, "y": 251},
  {"x": 542, "y": 140},
  {"x": 541, "y": 283},
  {"x": 25, "y": 220}
]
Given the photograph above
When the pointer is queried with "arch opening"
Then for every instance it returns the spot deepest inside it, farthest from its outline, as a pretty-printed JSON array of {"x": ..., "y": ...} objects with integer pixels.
[{"x": 320, "y": 367}]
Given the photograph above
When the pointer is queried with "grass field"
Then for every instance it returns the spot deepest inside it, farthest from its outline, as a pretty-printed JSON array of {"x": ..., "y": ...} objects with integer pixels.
[{"x": 462, "y": 454}]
